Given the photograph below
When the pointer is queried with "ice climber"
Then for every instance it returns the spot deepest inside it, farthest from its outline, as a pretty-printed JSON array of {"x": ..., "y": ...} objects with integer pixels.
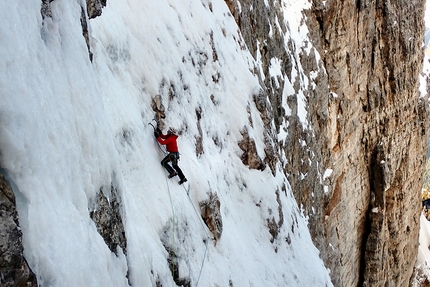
[{"x": 169, "y": 141}]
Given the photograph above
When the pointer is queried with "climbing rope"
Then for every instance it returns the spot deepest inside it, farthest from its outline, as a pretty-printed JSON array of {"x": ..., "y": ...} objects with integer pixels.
[
  {"x": 195, "y": 210},
  {"x": 173, "y": 227},
  {"x": 204, "y": 229}
]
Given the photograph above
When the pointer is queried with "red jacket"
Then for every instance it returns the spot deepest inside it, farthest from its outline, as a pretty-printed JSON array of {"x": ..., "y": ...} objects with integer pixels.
[{"x": 169, "y": 141}]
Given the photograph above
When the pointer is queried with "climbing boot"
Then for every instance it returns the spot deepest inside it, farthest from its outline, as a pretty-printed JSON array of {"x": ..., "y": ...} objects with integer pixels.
[{"x": 173, "y": 174}]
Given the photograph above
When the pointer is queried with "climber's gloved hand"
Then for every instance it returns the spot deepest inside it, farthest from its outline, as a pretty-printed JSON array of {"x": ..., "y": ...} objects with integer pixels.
[{"x": 157, "y": 132}]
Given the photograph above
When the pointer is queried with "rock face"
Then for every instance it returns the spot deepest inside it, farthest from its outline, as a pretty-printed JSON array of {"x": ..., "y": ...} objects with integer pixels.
[
  {"x": 108, "y": 219},
  {"x": 210, "y": 210},
  {"x": 250, "y": 156},
  {"x": 376, "y": 142},
  {"x": 357, "y": 168},
  {"x": 14, "y": 270},
  {"x": 94, "y": 7}
]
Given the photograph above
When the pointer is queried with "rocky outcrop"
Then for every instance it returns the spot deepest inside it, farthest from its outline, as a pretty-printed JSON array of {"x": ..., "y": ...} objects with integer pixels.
[
  {"x": 45, "y": 9},
  {"x": 356, "y": 168},
  {"x": 210, "y": 210},
  {"x": 14, "y": 270},
  {"x": 94, "y": 8},
  {"x": 159, "y": 110},
  {"x": 108, "y": 219},
  {"x": 250, "y": 156}
]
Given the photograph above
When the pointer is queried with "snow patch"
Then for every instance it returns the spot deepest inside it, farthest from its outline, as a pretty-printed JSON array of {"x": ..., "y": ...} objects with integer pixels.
[{"x": 327, "y": 173}]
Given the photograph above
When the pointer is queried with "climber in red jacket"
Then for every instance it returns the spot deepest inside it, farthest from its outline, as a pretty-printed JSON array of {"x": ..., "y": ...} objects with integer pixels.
[{"x": 169, "y": 141}]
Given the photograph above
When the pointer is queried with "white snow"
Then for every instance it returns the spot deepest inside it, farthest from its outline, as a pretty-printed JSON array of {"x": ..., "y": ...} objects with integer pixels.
[
  {"x": 423, "y": 260},
  {"x": 334, "y": 95},
  {"x": 62, "y": 126},
  {"x": 259, "y": 62},
  {"x": 423, "y": 77},
  {"x": 327, "y": 173},
  {"x": 275, "y": 70}
]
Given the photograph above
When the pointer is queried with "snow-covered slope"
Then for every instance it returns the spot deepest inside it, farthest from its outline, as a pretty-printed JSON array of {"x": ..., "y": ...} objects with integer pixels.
[{"x": 69, "y": 126}]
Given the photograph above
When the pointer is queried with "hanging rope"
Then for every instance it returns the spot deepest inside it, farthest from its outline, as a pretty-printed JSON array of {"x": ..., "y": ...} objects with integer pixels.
[
  {"x": 173, "y": 227},
  {"x": 204, "y": 229},
  {"x": 195, "y": 210}
]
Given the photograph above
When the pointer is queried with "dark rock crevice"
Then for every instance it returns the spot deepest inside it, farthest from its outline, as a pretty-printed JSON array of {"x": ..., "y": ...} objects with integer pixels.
[
  {"x": 84, "y": 25},
  {"x": 374, "y": 218}
]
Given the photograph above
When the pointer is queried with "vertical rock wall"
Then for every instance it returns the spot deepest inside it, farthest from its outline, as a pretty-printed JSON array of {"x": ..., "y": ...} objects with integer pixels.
[
  {"x": 357, "y": 170},
  {"x": 377, "y": 138}
]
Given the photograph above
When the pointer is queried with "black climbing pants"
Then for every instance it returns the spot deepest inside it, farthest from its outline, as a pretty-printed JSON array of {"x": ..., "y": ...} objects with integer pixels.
[{"x": 173, "y": 158}]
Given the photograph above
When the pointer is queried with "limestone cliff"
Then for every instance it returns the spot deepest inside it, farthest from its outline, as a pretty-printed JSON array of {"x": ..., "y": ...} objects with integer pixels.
[{"x": 357, "y": 168}]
